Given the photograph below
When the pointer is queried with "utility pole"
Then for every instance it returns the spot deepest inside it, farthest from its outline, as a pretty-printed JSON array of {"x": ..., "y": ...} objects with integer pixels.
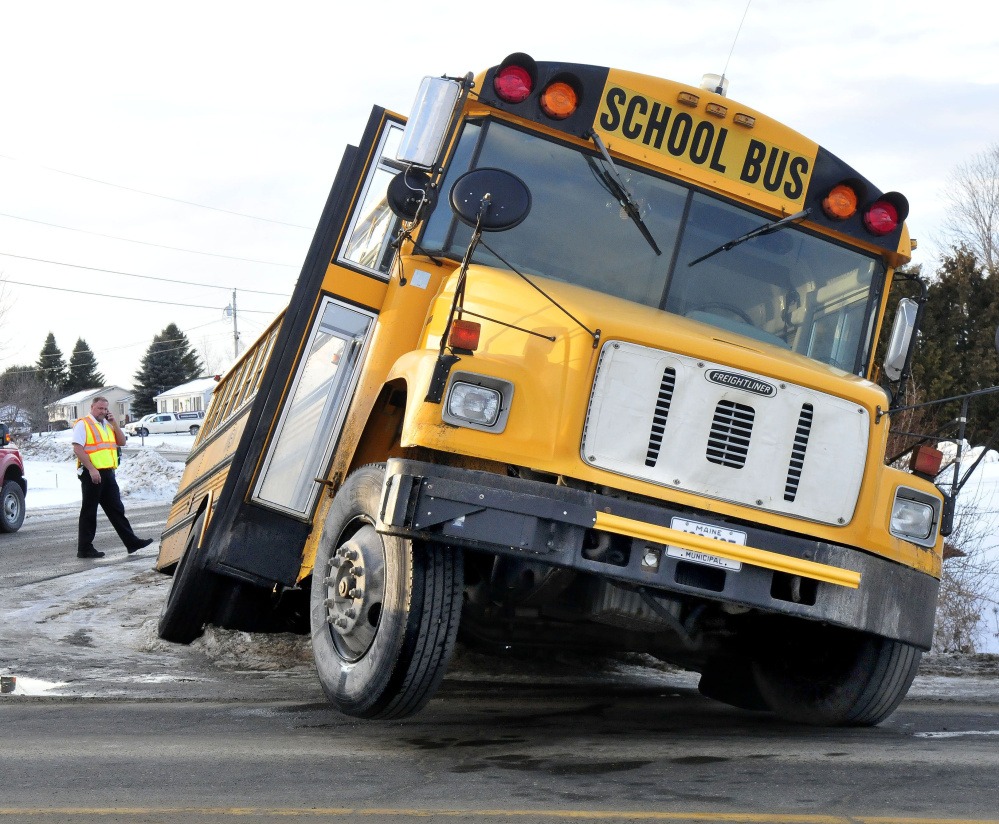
[
  {"x": 235, "y": 331},
  {"x": 230, "y": 311}
]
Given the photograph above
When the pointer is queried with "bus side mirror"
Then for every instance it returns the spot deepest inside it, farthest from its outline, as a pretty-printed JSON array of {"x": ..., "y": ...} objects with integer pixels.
[
  {"x": 490, "y": 200},
  {"x": 428, "y": 122},
  {"x": 901, "y": 337},
  {"x": 407, "y": 192}
]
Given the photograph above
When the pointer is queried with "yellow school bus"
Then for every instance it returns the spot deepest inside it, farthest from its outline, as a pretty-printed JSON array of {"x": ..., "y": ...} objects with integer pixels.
[{"x": 579, "y": 358}]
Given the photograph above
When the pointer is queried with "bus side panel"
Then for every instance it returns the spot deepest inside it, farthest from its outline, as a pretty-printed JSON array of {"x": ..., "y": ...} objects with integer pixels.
[
  {"x": 206, "y": 471},
  {"x": 250, "y": 542}
]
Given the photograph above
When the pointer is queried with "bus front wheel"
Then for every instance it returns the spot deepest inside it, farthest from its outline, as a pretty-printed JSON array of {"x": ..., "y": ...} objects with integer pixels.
[
  {"x": 384, "y": 610},
  {"x": 827, "y": 676},
  {"x": 189, "y": 601}
]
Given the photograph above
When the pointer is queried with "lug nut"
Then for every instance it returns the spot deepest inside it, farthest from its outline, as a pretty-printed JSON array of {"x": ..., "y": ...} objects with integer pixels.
[
  {"x": 358, "y": 570},
  {"x": 350, "y": 613},
  {"x": 355, "y": 593},
  {"x": 350, "y": 554},
  {"x": 335, "y": 561},
  {"x": 329, "y": 602}
]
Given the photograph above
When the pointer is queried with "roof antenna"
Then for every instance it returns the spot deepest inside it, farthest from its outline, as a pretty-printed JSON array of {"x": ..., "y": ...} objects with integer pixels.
[{"x": 719, "y": 84}]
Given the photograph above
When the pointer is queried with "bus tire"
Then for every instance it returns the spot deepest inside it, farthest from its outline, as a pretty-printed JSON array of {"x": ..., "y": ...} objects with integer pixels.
[
  {"x": 382, "y": 637},
  {"x": 825, "y": 676},
  {"x": 11, "y": 507},
  {"x": 189, "y": 601}
]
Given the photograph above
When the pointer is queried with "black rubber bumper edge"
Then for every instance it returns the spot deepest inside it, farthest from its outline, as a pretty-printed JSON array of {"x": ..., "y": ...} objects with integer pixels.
[{"x": 545, "y": 523}]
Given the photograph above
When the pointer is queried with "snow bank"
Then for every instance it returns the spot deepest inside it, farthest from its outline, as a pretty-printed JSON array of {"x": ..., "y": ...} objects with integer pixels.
[
  {"x": 51, "y": 447},
  {"x": 146, "y": 475}
]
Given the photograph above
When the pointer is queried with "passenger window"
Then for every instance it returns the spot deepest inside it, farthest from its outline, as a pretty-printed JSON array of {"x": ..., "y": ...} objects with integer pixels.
[{"x": 373, "y": 226}]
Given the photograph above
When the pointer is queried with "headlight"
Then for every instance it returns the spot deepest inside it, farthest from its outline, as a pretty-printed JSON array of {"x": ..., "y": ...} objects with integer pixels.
[
  {"x": 478, "y": 402},
  {"x": 915, "y": 516},
  {"x": 910, "y": 518}
]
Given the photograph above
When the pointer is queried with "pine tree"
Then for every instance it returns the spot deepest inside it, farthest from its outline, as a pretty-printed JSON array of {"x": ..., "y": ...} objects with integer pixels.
[
  {"x": 52, "y": 365},
  {"x": 168, "y": 362},
  {"x": 83, "y": 372},
  {"x": 955, "y": 352}
]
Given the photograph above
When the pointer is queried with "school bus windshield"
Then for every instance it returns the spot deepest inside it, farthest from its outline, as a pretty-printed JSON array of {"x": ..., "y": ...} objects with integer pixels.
[{"x": 791, "y": 289}]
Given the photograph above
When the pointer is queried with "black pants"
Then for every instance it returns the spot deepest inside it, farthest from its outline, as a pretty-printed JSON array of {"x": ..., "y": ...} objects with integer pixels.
[{"x": 107, "y": 495}]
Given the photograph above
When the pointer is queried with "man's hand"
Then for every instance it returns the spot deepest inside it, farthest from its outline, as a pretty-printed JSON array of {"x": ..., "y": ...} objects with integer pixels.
[
  {"x": 109, "y": 417},
  {"x": 95, "y": 475}
]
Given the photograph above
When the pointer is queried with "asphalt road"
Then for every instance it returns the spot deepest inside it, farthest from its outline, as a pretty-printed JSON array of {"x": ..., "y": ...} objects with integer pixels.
[{"x": 233, "y": 729}]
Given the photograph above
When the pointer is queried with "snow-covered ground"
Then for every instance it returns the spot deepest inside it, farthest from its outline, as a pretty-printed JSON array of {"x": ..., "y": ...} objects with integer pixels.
[
  {"x": 144, "y": 475},
  {"x": 978, "y": 502}
]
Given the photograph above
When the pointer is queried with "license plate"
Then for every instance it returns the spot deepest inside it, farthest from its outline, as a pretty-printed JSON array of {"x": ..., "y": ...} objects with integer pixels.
[{"x": 719, "y": 533}]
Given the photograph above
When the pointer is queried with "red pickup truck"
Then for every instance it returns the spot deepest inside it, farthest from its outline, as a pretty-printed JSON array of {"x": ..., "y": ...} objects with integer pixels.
[{"x": 14, "y": 486}]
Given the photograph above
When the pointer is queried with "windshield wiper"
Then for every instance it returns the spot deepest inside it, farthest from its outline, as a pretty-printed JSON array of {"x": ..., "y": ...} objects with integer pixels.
[
  {"x": 765, "y": 229},
  {"x": 624, "y": 197}
]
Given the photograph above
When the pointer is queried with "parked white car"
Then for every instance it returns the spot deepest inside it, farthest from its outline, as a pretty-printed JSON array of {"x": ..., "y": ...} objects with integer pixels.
[{"x": 164, "y": 422}]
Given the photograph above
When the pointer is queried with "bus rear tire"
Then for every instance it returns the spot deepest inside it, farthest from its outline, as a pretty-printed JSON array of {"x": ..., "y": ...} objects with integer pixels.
[
  {"x": 381, "y": 637},
  {"x": 825, "y": 676},
  {"x": 189, "y": 601}
]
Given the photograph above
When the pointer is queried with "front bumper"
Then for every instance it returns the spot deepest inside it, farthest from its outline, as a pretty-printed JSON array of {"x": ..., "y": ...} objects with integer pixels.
[{"x": 550, "y": 524}]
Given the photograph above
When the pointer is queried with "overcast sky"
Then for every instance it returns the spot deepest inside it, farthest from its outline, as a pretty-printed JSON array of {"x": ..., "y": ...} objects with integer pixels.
[{"x": 246, "y": 107}]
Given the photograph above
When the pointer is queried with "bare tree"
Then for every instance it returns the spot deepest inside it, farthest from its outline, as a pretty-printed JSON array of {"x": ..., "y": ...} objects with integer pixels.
[
  {"x": 216, "y": 362},
  {"x": 973, "y": 198},
  {"x": 23, "y": 395}
]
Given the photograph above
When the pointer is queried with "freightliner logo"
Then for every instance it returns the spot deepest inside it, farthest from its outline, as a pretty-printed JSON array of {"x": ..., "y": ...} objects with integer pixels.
[{"x": 744, "y": 382}]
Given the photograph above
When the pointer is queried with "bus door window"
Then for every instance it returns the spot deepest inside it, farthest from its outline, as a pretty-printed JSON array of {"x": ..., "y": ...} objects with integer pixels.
[
  {"x": 373, "y": 226},
  {"x": 308, "y": 428}
]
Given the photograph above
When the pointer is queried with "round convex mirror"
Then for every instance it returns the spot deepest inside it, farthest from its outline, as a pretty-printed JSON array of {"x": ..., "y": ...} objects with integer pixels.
[
  {"x": 503, "y": 199},
  {"x": 406, "y": 191}
]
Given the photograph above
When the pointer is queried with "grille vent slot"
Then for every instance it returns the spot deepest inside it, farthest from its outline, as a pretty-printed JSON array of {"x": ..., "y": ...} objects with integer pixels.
[
  {"x": 731, "y": 428},
  {"x": 662, "y": 412},
  {"x": 798, "y": 452}
]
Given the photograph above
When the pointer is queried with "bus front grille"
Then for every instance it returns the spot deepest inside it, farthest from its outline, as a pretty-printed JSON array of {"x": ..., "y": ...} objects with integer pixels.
[
  {"x": 731, "y": 430},
  {"x": 797, "y": 462},
  {"x": 720, "y": 432},
  {"x": 666, "y": 387}
]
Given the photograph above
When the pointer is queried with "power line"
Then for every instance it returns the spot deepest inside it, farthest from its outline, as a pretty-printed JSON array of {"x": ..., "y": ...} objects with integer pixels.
[
  {"x": 153, "y": 194},
  {"x": 147, "y": 243},
  {"x": 144, "y": 277},
  {"x": 125, "y": 297}
]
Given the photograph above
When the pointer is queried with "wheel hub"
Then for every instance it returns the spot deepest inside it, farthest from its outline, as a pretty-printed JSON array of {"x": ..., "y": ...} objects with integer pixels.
[
  {"x": 11, "y": 508},
  {"x": 354, "y": 592}
]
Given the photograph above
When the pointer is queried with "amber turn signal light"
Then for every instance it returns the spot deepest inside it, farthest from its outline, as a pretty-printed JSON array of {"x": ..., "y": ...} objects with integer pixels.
[
  {"x": 559, "y": 100},
  {"x": 926, "y": 460},
  {"x": 840, "y": 203},
  {"x": 464, "y": 335}
]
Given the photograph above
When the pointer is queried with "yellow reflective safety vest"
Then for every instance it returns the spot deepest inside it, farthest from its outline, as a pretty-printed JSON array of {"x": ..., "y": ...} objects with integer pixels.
[{"x": 101, "y": 445}]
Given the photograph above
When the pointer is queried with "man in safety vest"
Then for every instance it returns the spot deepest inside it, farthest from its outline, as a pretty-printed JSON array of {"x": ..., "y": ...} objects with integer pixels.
[{"x": 96, "y": 439}]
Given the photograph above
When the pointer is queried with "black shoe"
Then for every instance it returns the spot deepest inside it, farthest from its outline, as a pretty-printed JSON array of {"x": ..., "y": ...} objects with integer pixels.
[
  {"x": 89, "y": 553},
  {"x": 143, "y": 543}
]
